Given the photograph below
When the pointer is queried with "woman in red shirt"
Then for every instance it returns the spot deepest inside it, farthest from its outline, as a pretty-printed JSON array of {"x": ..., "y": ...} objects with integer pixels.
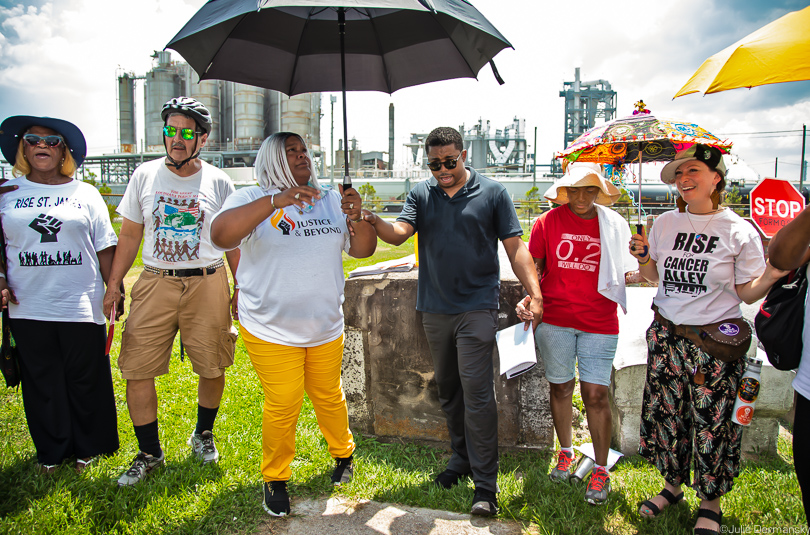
[{"x": 580, "y": 254}]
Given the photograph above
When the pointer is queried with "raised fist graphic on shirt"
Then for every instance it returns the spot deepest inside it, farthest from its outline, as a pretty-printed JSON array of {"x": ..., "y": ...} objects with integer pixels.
[
  {"x": 48, "y": 226},
  {"x": 285, "y": 227}
]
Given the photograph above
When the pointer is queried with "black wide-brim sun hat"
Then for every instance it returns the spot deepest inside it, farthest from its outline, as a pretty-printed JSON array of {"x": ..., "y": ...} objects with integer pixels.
[{"x": 13, "y": 128}]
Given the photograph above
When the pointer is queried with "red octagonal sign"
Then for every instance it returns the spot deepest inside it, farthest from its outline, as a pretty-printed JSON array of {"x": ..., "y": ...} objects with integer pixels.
[{"x": 774, "y": 204}]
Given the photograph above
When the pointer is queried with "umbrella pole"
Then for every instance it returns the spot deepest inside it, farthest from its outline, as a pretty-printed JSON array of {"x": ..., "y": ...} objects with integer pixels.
[
  {"x": 347, "y": 181},
  {"x": 639, "y": 226}
]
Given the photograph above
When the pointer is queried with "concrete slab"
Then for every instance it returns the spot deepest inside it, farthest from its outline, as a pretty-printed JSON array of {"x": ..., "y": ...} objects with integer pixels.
[{"x": 336, "y": 515}]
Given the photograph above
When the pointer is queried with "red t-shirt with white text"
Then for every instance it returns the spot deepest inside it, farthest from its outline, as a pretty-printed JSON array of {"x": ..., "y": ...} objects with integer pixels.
[{"x": 572, "y": 249}]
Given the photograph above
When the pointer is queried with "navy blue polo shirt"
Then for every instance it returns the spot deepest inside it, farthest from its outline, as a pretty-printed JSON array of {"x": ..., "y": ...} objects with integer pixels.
[{"x": 458, "y": 243}]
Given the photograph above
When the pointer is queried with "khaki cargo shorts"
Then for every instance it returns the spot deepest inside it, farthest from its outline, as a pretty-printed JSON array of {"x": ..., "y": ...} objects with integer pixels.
[{"x": 199, "y": 307}]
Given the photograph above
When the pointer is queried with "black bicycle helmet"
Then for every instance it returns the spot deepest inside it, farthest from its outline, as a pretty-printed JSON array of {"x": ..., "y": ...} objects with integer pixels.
[{"x": 190, "y": 107}]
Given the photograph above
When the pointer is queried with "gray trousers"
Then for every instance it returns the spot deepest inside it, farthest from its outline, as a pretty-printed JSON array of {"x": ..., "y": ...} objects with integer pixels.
[{"x": 461, "y": 346}]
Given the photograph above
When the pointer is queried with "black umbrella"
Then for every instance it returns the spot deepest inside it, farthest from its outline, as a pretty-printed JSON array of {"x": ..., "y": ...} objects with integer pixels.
[{"x": 321, "y": 45}]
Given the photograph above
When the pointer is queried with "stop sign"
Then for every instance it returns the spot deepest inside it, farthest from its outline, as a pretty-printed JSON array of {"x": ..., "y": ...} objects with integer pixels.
[{"x": 774, "y": 204}]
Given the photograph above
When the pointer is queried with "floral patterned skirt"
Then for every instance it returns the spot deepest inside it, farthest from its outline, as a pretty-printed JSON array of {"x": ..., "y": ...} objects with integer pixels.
[{"x": 686, "y": 415}]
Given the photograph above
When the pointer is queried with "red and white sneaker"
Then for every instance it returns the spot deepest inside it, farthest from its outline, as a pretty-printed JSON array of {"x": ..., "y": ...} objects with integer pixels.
[
  {"x": 562, "y": 471},
  {"x": 598, "y": 486}
]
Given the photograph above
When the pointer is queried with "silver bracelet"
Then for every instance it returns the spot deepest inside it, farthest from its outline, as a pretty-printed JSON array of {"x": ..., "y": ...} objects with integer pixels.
[{"x": 271, "y": 201}]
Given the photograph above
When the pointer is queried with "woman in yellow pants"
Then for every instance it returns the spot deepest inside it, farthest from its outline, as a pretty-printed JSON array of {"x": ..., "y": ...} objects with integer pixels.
[{"x": 291, "y": 234}]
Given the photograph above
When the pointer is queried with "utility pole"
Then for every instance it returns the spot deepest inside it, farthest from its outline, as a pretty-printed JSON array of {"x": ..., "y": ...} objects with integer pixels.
[
  {"x": 534, "y": 160},
  {"x": 775, "y": 166},
  {"x": 332, "y": 99},
  {"x": 803, "y": 170}
]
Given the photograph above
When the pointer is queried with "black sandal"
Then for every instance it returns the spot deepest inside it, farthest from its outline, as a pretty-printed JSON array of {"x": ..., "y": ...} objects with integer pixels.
[
  {"x": 711, "y": 515},
  {"x": 668, "y": 496}
]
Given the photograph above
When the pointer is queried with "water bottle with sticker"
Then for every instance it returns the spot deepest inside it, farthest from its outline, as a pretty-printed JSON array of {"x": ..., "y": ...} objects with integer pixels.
[{"x": 747, "y": 394}]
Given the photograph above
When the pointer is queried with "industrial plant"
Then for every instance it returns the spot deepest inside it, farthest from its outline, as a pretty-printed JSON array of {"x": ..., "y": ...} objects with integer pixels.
[{"x": 243, "y": 115}]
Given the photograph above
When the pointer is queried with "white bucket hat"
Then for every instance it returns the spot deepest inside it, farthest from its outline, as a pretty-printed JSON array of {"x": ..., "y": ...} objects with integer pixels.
[{"x": 583, "y": 176}]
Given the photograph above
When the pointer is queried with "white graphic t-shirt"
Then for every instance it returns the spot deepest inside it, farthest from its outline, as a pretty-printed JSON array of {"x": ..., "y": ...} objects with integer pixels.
[
  {"x": 291, "y": 272},
  {"x": 176, "y": 213},
  {"x": 52, "y": 235},
  {"x": 701, "y": 259}
]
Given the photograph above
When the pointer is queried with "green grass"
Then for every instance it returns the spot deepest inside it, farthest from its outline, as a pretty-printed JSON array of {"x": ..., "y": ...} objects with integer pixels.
[{"x": 185, "y": 497}]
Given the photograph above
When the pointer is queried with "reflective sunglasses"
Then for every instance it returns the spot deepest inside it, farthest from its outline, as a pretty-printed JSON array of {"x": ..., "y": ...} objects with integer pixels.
[
  {"x": 448, "y": 164},
  {"x": 51, "y": 141},
  {"x": 185, "y": 133}
]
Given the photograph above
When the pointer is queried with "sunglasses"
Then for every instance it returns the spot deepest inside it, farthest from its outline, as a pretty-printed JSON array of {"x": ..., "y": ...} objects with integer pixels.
[
  {"x": 448, "y": 164},
  {"x": 51, "y": 141},
  {"x": 185, "y": 133}
]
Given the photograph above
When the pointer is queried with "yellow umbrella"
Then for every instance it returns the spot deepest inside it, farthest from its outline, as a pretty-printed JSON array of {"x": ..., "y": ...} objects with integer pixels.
[{"x": 777, "y": 52}]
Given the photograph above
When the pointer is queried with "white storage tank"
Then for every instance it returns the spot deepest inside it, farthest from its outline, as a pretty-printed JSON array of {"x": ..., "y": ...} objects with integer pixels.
[
  {"x": 162, "y": 84},
  {"x": 248, "y": 116},
  {"x": 126, "y": 113},
  {"x": 208, "y": 92},
  {"x": 300, "y": 114}
]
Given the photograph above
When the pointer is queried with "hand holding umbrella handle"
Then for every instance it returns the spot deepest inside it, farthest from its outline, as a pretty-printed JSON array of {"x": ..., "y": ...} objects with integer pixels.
[{"x": 640, "y": 230}]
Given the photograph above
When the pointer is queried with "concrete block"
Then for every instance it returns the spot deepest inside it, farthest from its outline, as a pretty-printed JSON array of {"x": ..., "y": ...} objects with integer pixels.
[
  {"x": 761, "y": 436},
  {"x": 630, "y": 369},
  {"x": 390, "y": 387}
]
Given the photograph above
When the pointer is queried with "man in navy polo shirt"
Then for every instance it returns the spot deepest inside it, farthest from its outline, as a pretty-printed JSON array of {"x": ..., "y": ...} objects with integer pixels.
[{"x": 460, "y": 216}]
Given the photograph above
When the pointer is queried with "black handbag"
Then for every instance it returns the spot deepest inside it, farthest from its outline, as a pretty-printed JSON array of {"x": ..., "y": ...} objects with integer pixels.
[
  {"x": 9, "y": 355},
  {"x": 780, "y": 320}
]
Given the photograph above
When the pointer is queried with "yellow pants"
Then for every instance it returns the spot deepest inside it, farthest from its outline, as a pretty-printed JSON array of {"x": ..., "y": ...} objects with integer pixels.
[{"x": 285, "y": 373}]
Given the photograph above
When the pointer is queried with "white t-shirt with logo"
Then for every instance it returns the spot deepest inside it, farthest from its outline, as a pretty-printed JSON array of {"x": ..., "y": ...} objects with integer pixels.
[
  {"x": 291, "y": 272},
  {"x": 176, "y": 213},
  {"x": 52, "y": 235},
  {"x": 701, "y": 259}
]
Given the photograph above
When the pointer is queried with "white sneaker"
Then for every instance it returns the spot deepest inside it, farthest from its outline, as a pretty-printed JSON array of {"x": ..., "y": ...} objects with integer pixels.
[
  {"x": 203, "y": 447},
  {"x": 142, "y": 465}
]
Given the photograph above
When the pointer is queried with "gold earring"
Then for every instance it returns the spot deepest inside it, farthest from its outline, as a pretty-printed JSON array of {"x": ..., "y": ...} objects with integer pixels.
[
  {"x": 681, "y": 204},
  {"x": 715, "y": 197}
]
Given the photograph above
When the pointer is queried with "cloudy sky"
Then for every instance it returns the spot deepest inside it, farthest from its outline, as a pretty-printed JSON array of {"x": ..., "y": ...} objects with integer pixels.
[{"x": 60, "y": 58}]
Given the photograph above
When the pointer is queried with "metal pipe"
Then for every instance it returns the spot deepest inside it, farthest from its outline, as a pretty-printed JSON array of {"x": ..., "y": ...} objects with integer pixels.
[
  {"x": 347, "y": 182},
  {"x": 391, "y": 136},
  {"x": 332, "y": 99}
]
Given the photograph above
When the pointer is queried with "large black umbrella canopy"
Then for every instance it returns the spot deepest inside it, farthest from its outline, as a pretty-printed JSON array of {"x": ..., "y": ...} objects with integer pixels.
[{"x": 320, "y": 45}]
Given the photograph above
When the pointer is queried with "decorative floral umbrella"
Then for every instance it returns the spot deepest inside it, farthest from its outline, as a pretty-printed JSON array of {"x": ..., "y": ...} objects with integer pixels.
[{"x": 640, "y": 137}]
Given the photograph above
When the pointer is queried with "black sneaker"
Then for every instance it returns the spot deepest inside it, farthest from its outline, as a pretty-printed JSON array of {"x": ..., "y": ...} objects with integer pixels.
[
  {"x": 484, "y": 503},
  {"x": 344, "y": 470},
  {"x": 276, "y": 500},
  {"x": 448, "y": 479}
]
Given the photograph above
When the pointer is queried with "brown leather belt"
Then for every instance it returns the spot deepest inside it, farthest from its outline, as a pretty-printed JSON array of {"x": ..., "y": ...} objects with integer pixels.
[{"x": 690, "y": 332}]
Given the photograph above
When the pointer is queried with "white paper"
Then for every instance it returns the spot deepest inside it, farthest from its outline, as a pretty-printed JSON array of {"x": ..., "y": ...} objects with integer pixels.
[
  {"x": 587, "y": 451},
  {"x": 516, "y": 350},
  {"x": 389, "y": 266}
]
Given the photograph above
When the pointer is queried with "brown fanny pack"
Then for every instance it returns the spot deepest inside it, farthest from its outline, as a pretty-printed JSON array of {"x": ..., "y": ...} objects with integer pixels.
[{"x": 727, "y": 340}]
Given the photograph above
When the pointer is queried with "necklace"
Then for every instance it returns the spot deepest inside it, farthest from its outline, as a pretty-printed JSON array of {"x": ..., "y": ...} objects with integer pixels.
[{"x": 699, "y": 235}]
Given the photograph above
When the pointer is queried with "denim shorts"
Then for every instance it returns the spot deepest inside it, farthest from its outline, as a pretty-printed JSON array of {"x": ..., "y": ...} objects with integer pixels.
[{"x": 561, "y": 347}]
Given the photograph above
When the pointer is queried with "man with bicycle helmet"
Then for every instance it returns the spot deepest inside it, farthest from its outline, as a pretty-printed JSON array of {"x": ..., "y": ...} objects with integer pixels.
[{"x": 169, "y": 205}]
